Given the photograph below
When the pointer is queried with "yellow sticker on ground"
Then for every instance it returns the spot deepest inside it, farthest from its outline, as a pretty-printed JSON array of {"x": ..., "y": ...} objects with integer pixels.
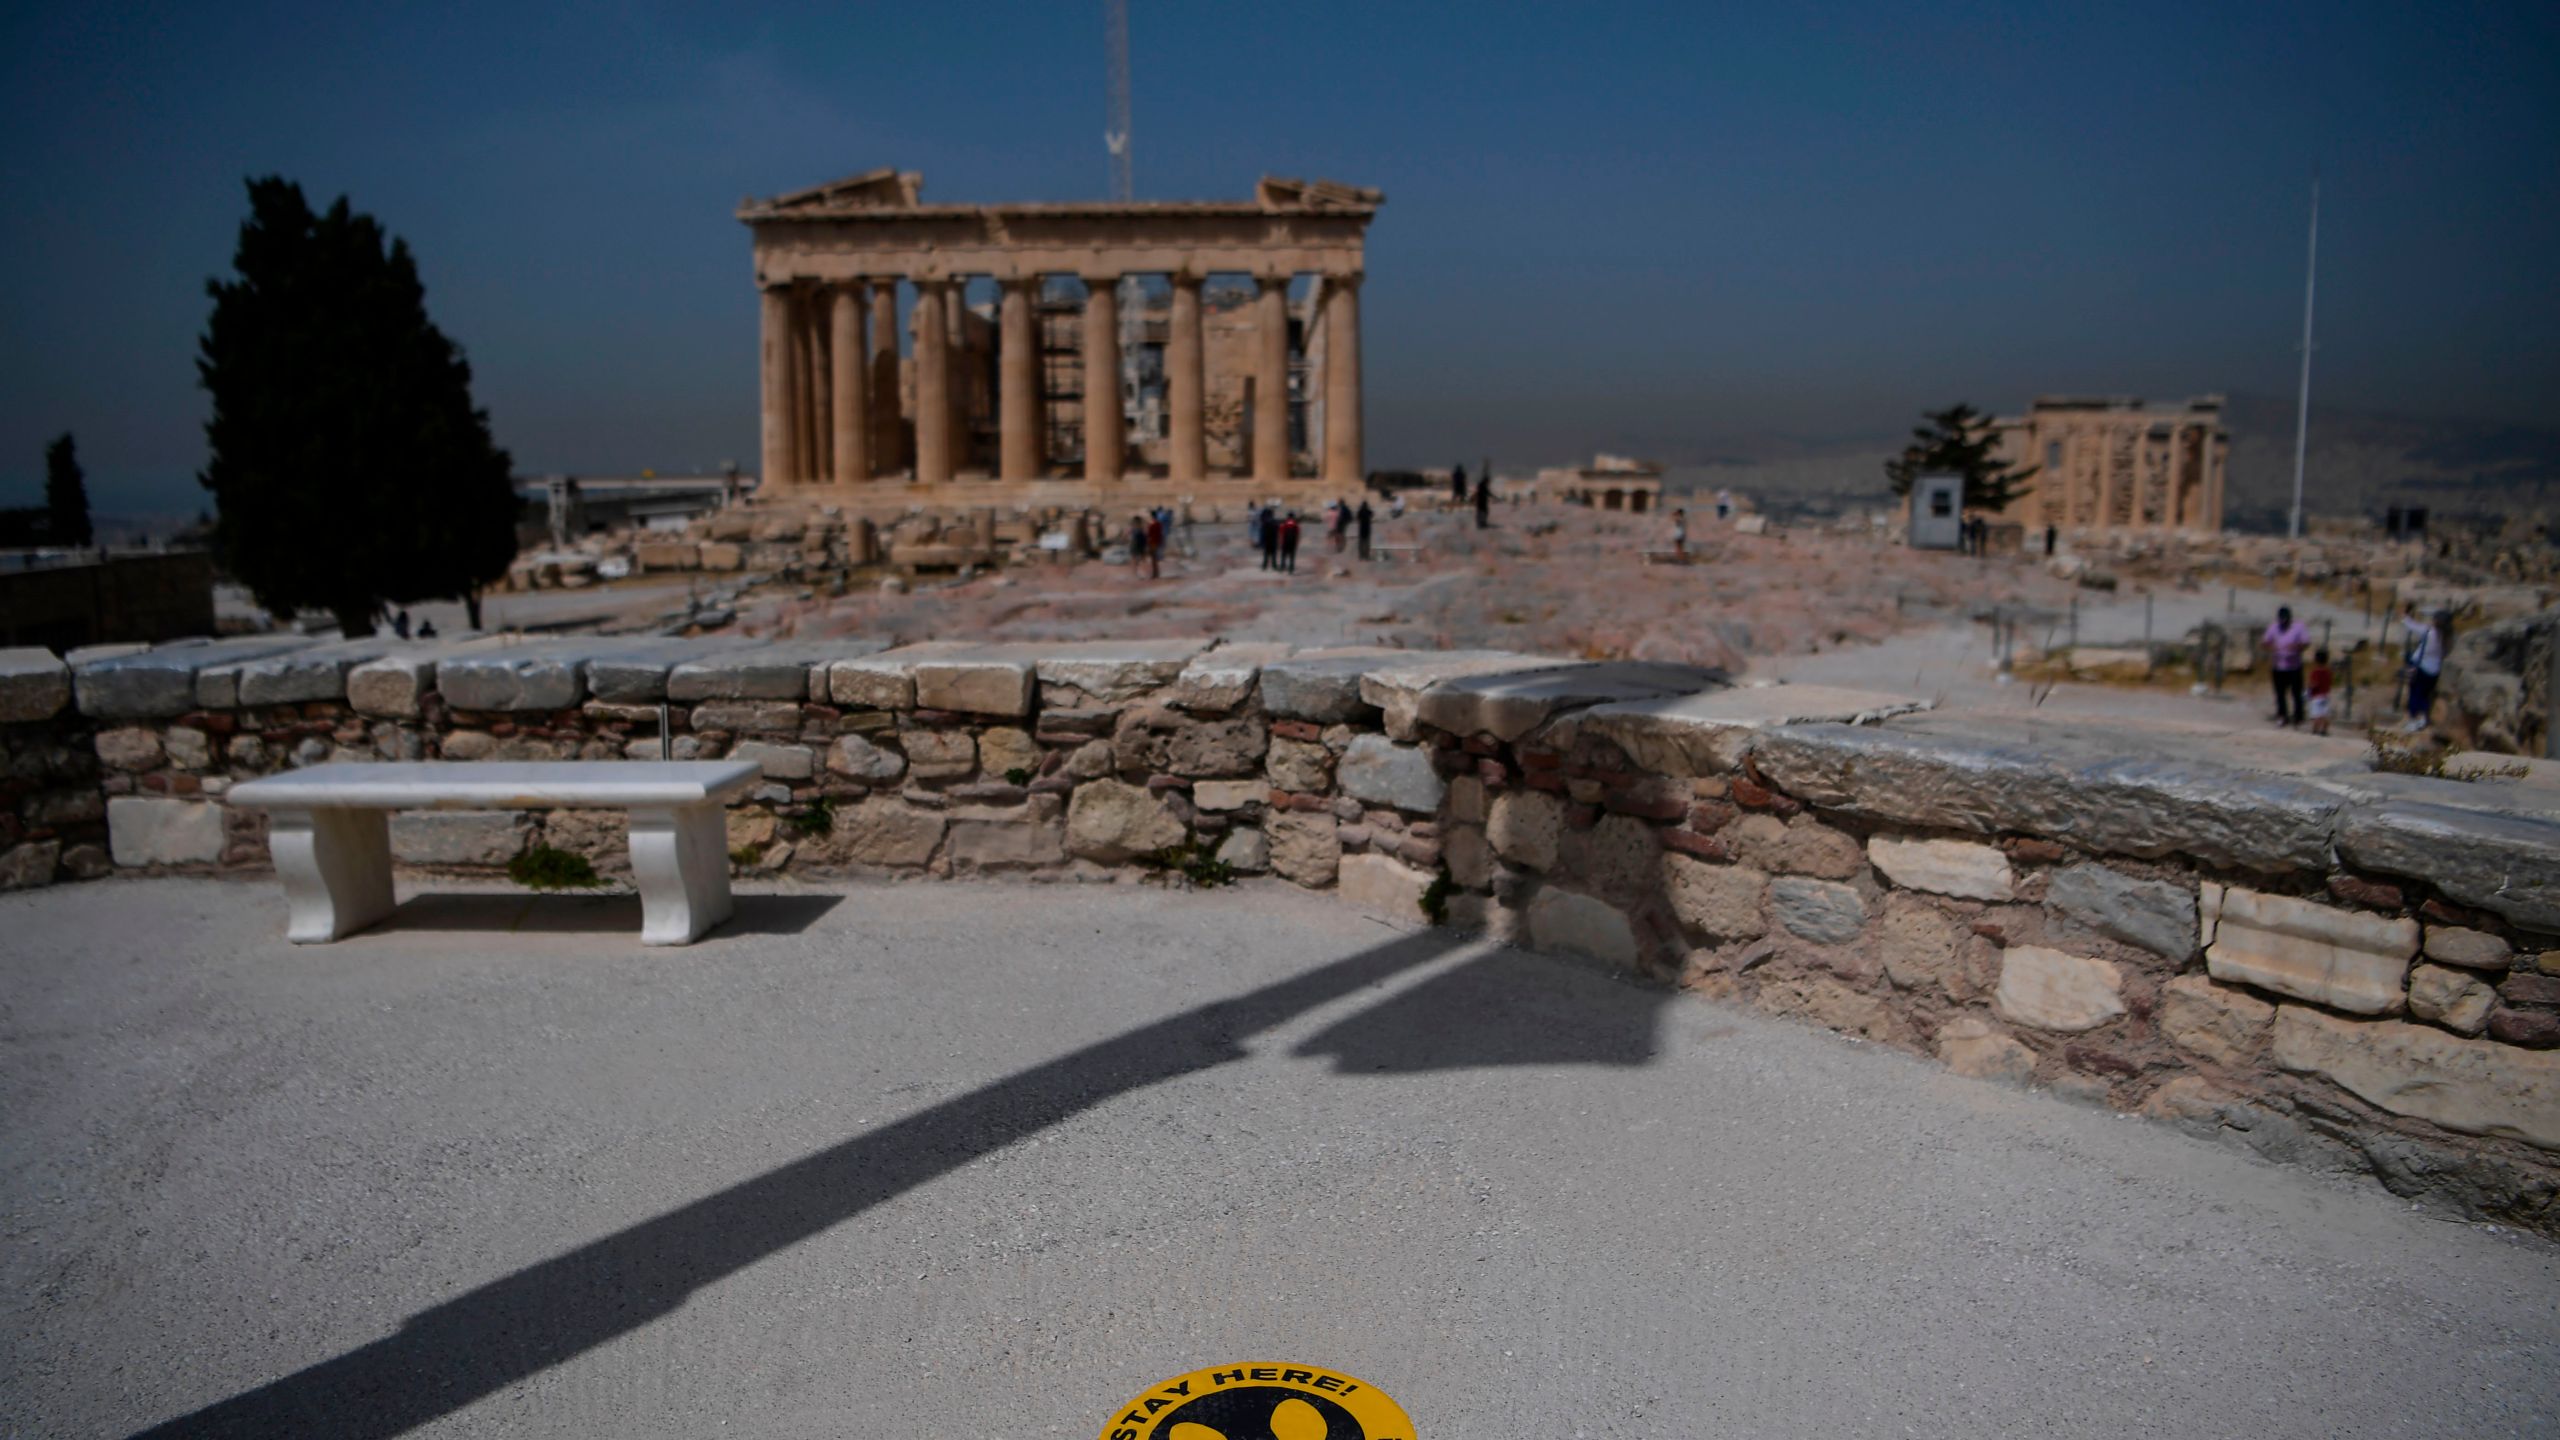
[{"x": 1258, "y": 1400}]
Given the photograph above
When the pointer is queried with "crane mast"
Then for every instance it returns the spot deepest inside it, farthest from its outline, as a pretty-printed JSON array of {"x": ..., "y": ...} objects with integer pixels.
[{"x": 1115, "y": 140}]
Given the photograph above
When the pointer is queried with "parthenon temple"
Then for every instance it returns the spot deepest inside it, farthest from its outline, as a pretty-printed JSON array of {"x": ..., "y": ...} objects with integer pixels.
[{"x": 1154, "y": 348}]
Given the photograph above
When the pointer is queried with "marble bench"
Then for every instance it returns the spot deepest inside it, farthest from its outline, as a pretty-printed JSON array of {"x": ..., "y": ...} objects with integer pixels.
[{"x": 330, "y": 833}]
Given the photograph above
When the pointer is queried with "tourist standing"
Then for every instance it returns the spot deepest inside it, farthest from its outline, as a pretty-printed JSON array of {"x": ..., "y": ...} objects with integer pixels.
[
  {"x": 1137, "y": 542},
  {"x": 1253, "y": 526},
  {"x": 1680, "y": 533},
  {"x": 1395, "y": 506},
  {"x": 1270, "y": 531},
  {"x": 1155, "y": 546},
  {"x": 2287, "y": 640},
  {"x": 1458, "y": 486},
  {"x": 1341, "y": 525},
  {"x": 1484, "y": 501},
  {"x": 1289, "y": 544},
  {"x": 2051, "y": 534},
  {"x": 1365, "y": 518},
  {"x": 2317, "y": 687},
  {"x": 2430, "y": 639}
]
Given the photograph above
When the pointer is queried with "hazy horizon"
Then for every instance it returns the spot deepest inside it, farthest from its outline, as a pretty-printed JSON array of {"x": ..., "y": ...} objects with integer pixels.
[{"x": 1663, "y": 231}]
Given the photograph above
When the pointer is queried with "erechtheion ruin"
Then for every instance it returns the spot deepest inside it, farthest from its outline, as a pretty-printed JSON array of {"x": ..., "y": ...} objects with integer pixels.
[
  {"x": 2111, "y": 463},
  {"x": 997, "y": 402}
]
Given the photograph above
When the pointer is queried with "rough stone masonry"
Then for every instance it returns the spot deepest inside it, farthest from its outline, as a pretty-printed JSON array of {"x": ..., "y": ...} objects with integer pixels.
[{"x": 2336, "y": 973}]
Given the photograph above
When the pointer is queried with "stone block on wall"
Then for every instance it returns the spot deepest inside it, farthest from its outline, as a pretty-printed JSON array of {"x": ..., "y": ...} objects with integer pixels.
[
  {"x": 2051, "y": 990},
  {"x": 529, "y": 677},
  {"x": 2157, "y": 916},
  {"x": 2455, "y": 999},
  {"x": 1383, "y": 772},
  {"x": 2478, "y": 1087},
  {"x": 1321, "y": 685},
  {"x": 1384, "y": 886},
  {"x": 1944, "y": 867},
  {"x": 1818, "y": 910},
  {"x": 1525, "y": 827},
  {"x": 394, "y": 687},
  {"x": 33, "y": 685},
  {"x": 762, "y": 672},
  {"x": 1111, "y": 821},
  {"x": 143, "y": 830},
  {"x": 1971, "y": 1045},
  {"x": 1722, "y": 902},
  {"x": 1115, "y": 670},
  {"x": 1219, "y": 680},
  {"x": 981, "y": 686},
  {"x": 779, "y": 762},
  {"x": 2222, "y": 1023},
  {"x": 457, "y": 837},
  {"x": 2345, "y": 959},
  {"x": 1305, "y": 848},
  {"x": 1580, "y": 925},
  {"x": 2508, "y": 865},
  {"x": 2101, "y": 798}
]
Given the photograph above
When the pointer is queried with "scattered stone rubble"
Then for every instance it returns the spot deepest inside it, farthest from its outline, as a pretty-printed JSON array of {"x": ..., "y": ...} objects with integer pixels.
[{"x": 2334, "y": 974}]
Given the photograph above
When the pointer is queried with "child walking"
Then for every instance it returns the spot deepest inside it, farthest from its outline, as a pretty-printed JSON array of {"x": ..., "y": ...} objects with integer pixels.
[{"x": 2316, "y": 685}]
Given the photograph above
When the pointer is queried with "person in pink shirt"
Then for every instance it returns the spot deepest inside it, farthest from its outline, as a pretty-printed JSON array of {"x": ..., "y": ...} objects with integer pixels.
[{"x": 2286, "y": 641}]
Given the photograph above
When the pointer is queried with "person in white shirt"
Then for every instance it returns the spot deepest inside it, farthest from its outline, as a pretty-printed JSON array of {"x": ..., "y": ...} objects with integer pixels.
[{"x": 2428, "y": 640}]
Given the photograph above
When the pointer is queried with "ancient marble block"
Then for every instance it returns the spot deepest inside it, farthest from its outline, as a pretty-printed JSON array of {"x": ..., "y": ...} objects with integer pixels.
[
  {"x": 2348, "y": 960},
  {"x": 1944, "y": 867}
]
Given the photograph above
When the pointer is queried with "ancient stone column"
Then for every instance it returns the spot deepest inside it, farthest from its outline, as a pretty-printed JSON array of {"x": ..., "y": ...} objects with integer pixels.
[
  {"x": 888, "y": 434},
  {"x": 957, "y": 332},
  {"x": 1271, "y": 377},
  {"x": 775, "y": 303},
  {"x": 933, "y": 382},
  {"x": 851, "y": 379},
  {"x": 813, "y": 386},
  {"x": 1104, "y": 439},
  {"x": 1342, "y": 380},
  {"x": 1018, "y": 387},
  {"x": 1187, "y": 381}
]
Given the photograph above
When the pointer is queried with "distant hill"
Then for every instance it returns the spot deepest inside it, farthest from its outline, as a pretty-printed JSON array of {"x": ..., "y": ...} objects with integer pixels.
[{"x": 2362, "y": 461}]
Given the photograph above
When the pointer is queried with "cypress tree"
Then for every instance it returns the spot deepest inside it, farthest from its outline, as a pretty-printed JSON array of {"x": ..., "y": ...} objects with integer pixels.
[
  {"x": 1958, "y": 440},
  {"x": 349, "y": 468},
  {"x": 66, "y": 495}
]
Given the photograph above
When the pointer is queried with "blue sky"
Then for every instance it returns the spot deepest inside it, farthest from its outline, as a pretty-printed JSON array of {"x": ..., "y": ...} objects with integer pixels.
[{"x": 1689, "y": 230}]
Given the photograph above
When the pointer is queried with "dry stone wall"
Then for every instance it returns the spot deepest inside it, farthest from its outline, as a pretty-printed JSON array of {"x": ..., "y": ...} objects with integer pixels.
[{"x": 2350, "y": 975}]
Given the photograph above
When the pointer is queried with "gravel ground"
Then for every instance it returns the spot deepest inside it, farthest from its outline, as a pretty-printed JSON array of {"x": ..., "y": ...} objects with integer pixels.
[{"x": 987, "y": 1160}]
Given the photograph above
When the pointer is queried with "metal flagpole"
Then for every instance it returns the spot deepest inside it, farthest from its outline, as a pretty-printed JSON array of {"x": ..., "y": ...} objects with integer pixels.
[{"x": 2302, "y": 408}]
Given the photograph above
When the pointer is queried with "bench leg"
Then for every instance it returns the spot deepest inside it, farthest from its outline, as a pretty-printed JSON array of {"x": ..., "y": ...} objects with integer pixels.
[
  {"x": 680, "y": 856},
  {"x": 336, "y": 868}
]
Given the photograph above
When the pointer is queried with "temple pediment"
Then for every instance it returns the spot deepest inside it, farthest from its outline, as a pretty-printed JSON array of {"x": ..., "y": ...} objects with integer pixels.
[{"x": 883, "y": 189}]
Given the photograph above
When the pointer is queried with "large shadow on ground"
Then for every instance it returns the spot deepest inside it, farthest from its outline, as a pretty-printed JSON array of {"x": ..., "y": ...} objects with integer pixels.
[
  {"x": 1505, "y": 1008},
  {"x": 516, "y": 913}
]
